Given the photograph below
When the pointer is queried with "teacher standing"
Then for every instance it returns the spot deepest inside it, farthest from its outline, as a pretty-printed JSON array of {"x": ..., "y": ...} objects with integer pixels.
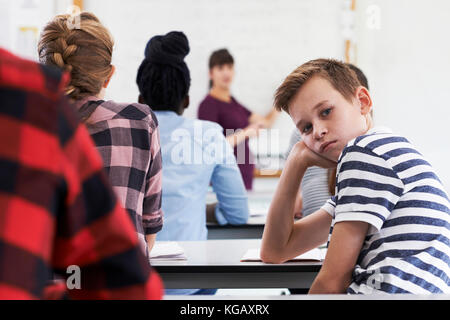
[{"x": 239, "y": 123}]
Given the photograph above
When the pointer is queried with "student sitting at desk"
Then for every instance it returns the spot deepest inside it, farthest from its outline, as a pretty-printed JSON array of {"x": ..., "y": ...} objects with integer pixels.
[
  {"x": 195, "y": 153},
  {"x": 388, "y": 224},
  {"x": 57, "y": 208},
  {"x": 318, "y": 184},
  {"x": 126, "y": 134}
]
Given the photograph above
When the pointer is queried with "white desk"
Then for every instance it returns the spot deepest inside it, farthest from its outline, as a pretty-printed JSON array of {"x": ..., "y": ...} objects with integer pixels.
[
  {"x": 253, "y": 229},
  {"x": 216, "y": 264},
  {"x": 258, "y": 203}
]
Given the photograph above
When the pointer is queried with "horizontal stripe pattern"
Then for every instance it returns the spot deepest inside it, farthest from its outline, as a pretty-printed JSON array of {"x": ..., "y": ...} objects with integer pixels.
[{"x": 384, "y": 181}]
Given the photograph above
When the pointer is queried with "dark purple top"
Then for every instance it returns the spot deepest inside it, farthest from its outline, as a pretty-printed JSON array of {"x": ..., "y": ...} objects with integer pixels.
[{"x": 231, "y": 115}]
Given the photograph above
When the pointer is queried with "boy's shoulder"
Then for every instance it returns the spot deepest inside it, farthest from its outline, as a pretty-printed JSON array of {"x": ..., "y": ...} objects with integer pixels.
[{"x": 380, "y": 141}]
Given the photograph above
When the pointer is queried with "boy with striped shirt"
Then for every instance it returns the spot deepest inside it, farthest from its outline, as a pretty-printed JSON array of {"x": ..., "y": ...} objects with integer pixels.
[{"x": 388, "y": 225}]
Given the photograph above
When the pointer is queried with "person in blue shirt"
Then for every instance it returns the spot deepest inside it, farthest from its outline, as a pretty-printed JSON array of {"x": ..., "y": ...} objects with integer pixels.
[{"x": 195, "y": 153}]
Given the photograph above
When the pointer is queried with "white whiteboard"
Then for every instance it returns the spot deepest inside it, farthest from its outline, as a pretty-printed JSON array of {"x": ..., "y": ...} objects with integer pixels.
[
  {"x": 268, "y": 39},
  {"x": 406, "y": 58}
]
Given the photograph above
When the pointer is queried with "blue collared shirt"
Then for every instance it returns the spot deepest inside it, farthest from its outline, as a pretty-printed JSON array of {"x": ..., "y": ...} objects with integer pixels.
[{"x": 195, "y": 153}]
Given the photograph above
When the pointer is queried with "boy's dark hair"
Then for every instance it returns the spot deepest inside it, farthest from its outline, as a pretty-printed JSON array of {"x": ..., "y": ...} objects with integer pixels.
[
  {"x": 339, "y": 74},
  {"x": 163, "y": 77},
  {"x": 360, "y": 75}
]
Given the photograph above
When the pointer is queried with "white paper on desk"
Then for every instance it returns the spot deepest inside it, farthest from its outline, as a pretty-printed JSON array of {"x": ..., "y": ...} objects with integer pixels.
[
  {"x": 257, "y": 213},
  {"x": 312, "y": 255},
  {"x": 258, "y": 209},
  {"x": 167, "y": 250}
]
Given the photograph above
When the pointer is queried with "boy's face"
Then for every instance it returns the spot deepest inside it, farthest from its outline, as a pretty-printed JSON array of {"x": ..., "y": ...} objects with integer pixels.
[{"x": 325, "y": 119}]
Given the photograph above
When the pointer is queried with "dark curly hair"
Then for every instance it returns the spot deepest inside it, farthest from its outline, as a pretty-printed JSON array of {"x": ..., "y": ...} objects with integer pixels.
[{"x": 163, "y": 77}]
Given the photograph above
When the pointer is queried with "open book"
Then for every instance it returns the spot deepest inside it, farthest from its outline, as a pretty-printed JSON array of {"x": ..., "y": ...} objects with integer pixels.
[
  {"x": 253, "y": 255},
  {"x": 167, "y": 250}
]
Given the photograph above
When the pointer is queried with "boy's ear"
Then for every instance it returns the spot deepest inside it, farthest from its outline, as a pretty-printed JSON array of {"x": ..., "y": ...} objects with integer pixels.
[{"x": 364, "y": 99}]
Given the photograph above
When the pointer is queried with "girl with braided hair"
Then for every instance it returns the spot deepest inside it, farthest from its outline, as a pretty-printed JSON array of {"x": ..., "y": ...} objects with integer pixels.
[
  {"x": 126, "y": 134},
  {"x": 85, "y": 53}
]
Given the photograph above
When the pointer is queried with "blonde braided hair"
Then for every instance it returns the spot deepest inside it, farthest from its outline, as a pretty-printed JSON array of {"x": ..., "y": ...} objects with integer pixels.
[{"x": 84, "y": 52}]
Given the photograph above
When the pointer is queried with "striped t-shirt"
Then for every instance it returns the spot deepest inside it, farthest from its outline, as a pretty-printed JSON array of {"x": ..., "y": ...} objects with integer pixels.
[{"x": 384, "y": 181}]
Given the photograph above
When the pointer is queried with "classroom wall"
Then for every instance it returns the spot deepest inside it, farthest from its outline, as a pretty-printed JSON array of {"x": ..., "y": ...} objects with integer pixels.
[
  {"x": 407, "y": 61},
  {"x": 21, "y": 22},
  {"x": 257, "y": 32},
  {"x": 401, "y": 45}
]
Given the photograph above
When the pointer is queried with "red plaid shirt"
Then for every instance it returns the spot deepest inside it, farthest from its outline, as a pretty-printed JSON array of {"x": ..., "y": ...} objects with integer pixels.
[{"x": 57, "y": 208}]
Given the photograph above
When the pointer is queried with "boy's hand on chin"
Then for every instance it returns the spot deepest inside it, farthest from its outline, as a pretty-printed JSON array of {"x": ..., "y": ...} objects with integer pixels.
[{"x": 311, "y": 158}]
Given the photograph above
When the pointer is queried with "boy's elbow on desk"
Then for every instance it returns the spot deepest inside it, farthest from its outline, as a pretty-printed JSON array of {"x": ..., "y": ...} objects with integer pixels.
[
  {"x": 270, "y": 252},
  {"x": 270, "y": 257}
]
